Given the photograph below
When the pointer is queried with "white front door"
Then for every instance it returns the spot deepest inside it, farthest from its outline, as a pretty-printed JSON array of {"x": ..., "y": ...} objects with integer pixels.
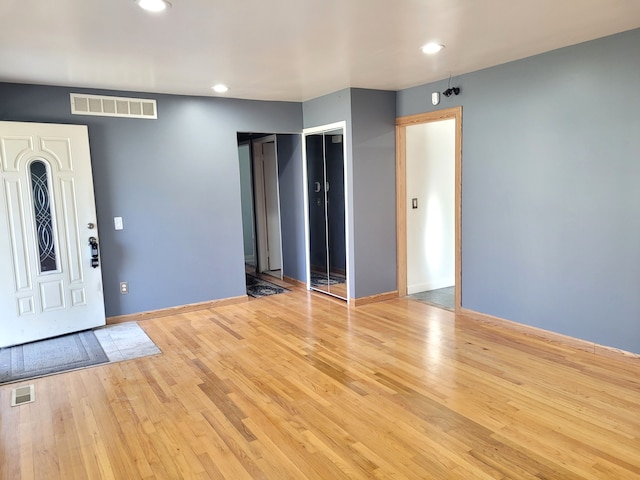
[{"x": 50, "y": 281}]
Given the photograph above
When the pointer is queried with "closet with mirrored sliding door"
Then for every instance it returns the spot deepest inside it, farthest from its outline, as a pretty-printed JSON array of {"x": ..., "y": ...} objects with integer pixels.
[{"x": 325, "y": 155}]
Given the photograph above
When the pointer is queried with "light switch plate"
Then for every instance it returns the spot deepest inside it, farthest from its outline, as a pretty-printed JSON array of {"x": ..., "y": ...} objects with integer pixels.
[
  {"x": 435, "y": 98},
  {"x": 117, "y": 221}
]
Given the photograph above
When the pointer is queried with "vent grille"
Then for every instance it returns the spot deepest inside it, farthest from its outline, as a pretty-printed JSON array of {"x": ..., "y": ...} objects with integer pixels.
[
  {"x": 113, "y": 106},
  {"x": 22, "y": 395}
]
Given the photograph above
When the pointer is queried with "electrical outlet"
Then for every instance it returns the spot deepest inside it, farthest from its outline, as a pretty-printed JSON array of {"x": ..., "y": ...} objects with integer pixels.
[{"x": 124, "y": 288}]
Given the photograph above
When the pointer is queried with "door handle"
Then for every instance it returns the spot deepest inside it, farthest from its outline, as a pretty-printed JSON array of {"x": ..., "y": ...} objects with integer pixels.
[{"x": 93, "y": 244}]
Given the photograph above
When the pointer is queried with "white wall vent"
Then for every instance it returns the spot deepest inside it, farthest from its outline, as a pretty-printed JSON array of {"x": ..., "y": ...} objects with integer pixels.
[{"x": 113, "y": 106}]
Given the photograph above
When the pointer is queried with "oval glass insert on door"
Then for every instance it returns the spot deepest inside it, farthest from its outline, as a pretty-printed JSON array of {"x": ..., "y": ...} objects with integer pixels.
[{"x": 40, "y": 186}]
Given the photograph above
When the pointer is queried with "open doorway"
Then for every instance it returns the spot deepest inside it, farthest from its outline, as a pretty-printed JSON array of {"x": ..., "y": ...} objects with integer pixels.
[
  {"x": 273, "y": 214},
  {"x": 428, "y": 207}
]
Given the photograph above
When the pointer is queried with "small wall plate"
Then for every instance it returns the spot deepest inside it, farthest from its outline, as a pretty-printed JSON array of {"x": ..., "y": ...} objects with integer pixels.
[{"x": 435, "y": 98}]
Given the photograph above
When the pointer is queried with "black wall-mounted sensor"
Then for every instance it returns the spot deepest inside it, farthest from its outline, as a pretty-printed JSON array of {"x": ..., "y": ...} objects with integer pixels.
[{"x": 451, "y": 91}]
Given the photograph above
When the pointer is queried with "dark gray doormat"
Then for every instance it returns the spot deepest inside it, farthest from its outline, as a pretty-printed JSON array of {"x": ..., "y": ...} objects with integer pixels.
[
  {"x": 261, "y": 288},
  {"x": 54, "y": 355}
]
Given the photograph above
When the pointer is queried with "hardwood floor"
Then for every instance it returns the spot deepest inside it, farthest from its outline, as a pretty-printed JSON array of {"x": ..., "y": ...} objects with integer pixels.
[{"x": 298, "y": 386}]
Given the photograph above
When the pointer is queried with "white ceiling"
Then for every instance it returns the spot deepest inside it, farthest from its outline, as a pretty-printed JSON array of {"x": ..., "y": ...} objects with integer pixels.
[{"x": 285, "y": 49}]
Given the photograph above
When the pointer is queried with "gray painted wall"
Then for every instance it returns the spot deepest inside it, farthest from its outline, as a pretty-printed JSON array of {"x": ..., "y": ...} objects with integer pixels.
[
  {"x": 292, "y": 214},
  {"x": 374, "y": 190},
  {"x": 550, "y": 199},
  {"x": 550, "y": 189},
  {"x": 175, "y": 181},
  {"x": 331, "y": 108}
]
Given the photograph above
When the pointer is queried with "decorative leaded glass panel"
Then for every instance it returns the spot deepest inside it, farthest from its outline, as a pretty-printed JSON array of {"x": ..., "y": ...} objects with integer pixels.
[{"x": 44, "y": 222}]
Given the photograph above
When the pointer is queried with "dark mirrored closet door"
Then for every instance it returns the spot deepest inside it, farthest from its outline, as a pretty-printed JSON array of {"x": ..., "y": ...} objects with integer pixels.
[{"x": 325, "y": 162}]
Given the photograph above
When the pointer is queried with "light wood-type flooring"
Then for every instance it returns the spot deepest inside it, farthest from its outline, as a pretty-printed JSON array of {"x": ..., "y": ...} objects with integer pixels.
[{"x": 298, "y": 386}]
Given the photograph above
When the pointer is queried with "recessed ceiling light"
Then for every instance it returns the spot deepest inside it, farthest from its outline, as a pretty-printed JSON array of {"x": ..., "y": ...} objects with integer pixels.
[
  {"x": 432, "y": 47},
  {"x": 220, "y": 88},
  {"x": 153, "y": 5}
]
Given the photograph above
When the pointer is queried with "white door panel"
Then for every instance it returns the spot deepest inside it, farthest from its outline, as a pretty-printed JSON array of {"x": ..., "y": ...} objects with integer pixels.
[
  {"x": 272, "y": 205},
  {"x": 269, "y": 241},
  {"x": 48, "y": 286}
]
